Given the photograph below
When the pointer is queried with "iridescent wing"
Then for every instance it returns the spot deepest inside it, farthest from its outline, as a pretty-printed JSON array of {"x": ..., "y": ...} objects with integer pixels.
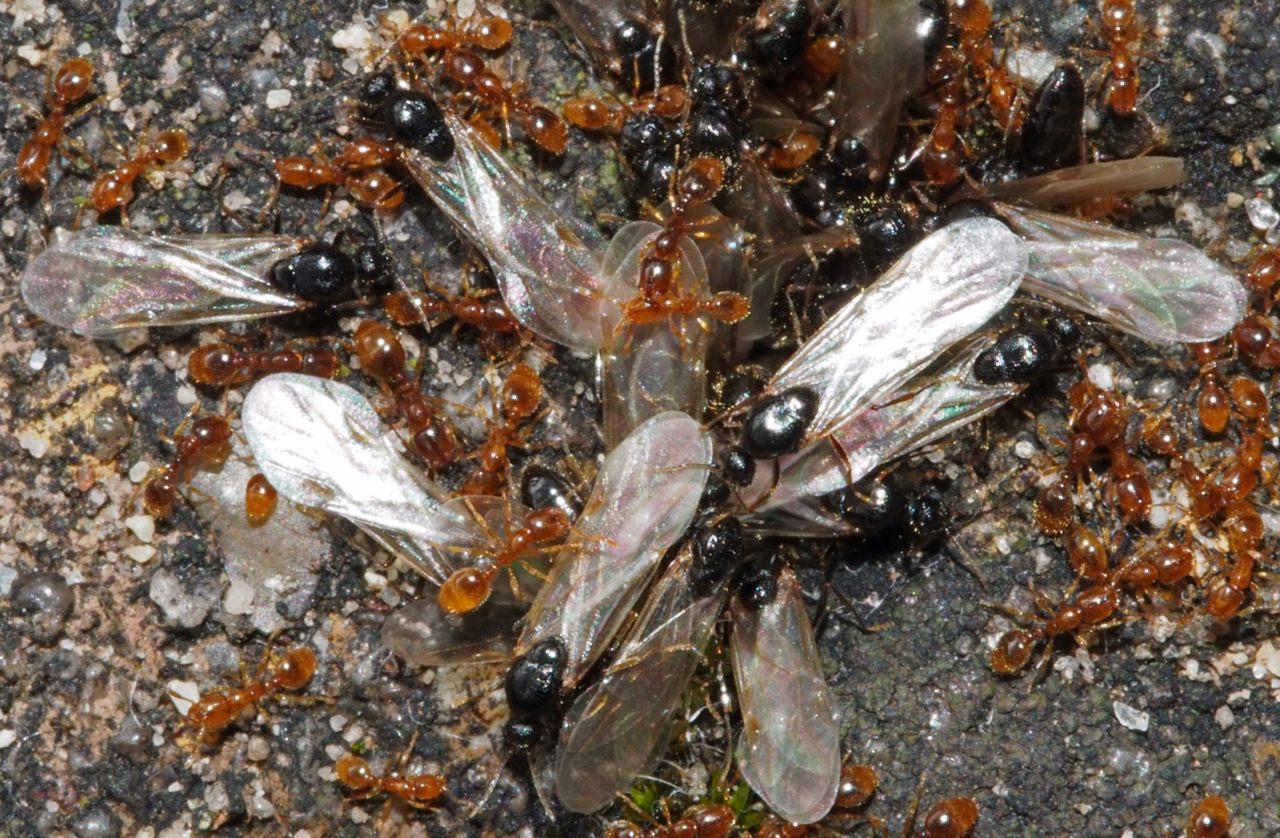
[
  {"x": 1162, "y": 290},
  {"x": 939, "y": 292},
  {"x": 883, "y": 64},
  {"x": 789, "y": 751},
  {"x": 657, "y": 367},
  {"x": 785, "y": 497},
  {"x": 1078, "y": 184},
  {"x": 321, "y": 444},
  {"x": 546, "y": 262},
  {"x": 645, "y": 495},
  {"x": 108, "y": 279},
  {"x": 618, "y": 728},
  {"x": 421, "y": 633}
]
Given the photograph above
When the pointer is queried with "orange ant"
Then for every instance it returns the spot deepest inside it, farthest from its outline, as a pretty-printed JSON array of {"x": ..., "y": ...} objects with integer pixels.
[
  {"x": 486, "y": 33},
  {"x": 383, "y": 357},
  {"x": 940, "y": 158},
  {"x": 361, "y": 782},
  {"x": 592, "y": 113},
  {"x": 467, "y": 69},
  {"x": 1209, "y": 819},
  {"x": 973, "y": 20},
  {"x": 354, "y": 168},
  {"x": 488, "y": 314},
  {"x": 1092, "y": 608},
  {"x": 468, "y": 588},
  {"x": 661, "y": 297},
  {"x": 221, "y": 365},
  {"x": 792, "y": 150},
  {"x": 704, "y": 820},
  {"x": 259, "y": 500},
  {"x": 521, "y": 394},
  {"x": 70, "y": 84},
  {"x": 114, "y": 189},
  {"x": 207, "y": 444},
  {"x": 1119, "y": 23},
  {"x": 215, "y": 711}
]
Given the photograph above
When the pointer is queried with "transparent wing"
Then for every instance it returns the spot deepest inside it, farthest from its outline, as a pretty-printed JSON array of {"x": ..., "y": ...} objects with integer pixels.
[
  {"x": 619, "y": 727},
  {"x": 883, "y": 65},
  {"x": 1162, "y": 290},
  {"x": 108, "y": 279},
  {"x": 789, "y": 751},
  {"x": 1078, "y": 184},
  {"x": 658, "y": 367},
  {"x": 784, "y": 499},
  {"x": 645, "y": 495},
  {"x": 939, "y": 292},
  {"x": 422, "y": 633},
  {"x": 322, "y": 445},
  {"x": 545, "y": 262}
]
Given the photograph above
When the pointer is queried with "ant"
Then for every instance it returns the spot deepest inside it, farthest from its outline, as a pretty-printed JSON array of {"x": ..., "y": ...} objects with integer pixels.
[
  {"x": 592, "y": 113},
  {"x": 704, "y": 820},
  {"x": 468, "y": 588},
  {"x": 207, "y": 444},
  {"x": 215, "y": 711},
  {"x": 487, "y": 313},
  {"x": 69, "y": 85},
  {"x": 467, "y": 69},
  {"x": 1119, "y": 23},
  {"x": 355, "y": 168},
  {"x": 973, "y": 19},
  {"x": 113, "y": 190},
  {"x": 222, "y": 365},
  {"x": 382, "y": 356},
  {"x": 418, "y": 790},
  {"x": 520, "y": 396},
  {"x": 661, "y": 296}
]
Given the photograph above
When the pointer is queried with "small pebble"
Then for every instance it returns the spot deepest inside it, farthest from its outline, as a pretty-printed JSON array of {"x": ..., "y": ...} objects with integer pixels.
[
  {"x": 279, "y": 98},
  {"x": 97, "y": 822},
  {"x": 239, "y": 597},
  {"x": 139, "y": 471},
  {"x": 143, "y": 526},
  {"x": 33, "y": 443},
  {"x": 1224, "y": 717},
  {"x": 140, "y": 553},
  {"x": 1131, "y": 717},
  {"x": 258, "y": 749},
  {"x": 7, "y": 737},
  {"x": 38, "y": 360}
]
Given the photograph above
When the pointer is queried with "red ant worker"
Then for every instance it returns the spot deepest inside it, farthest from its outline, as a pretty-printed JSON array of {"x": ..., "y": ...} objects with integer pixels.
[
  {"x": 206, "y": 445},
  {"x": 70, "y": 84},
  {"x": 1120, "y": 26},
  {"x": 113, "y": 190},
  {"x": 217, "y": 710},
  {"x": 518, "y": 401},
  {"x": 222, "y": 365},
  {"x": 468, "y": 588},
  {"x": 382, "y": 357},
  {"x": 361, "y": 782}
]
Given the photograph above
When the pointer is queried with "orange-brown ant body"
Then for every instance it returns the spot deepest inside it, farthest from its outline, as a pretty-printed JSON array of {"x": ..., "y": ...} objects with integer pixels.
[
  {"x": 519, "y": 398},
  {"x": 215, "y": 711},
  {"x": 222, "y": 365},
  {"x": 70, "y": 84},
  {"x": 382, "y": 357},
  {"x": 468, "y": 588},
  {"x": 206, "y": 444},
  {"x": 113, "y": 190}
]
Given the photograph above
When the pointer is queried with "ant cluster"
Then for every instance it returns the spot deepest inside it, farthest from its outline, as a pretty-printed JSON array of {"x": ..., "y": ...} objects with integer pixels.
[{"x": 834, "y": 204}]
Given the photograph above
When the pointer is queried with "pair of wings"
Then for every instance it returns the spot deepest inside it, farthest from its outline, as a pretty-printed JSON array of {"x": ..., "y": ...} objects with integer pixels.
[{"x": 618, "y": 728}]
